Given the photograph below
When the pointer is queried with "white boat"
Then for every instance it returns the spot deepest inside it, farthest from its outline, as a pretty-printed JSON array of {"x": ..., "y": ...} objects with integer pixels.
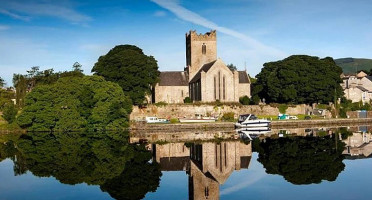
[
  {"x": 252, "y": 134},
  {"x": 154, "y": 120},
  {"x": 197, "y": 119},
  {"x": 250, "y": 120}
]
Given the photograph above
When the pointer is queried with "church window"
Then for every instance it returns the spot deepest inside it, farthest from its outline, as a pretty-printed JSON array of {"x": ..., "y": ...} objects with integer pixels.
[
  {"x": 219, "y": 85},
  {"x": 215, "y": 89},
  {"x": 224, "y": 88},
  {"x": 182, "y": 93},
  {"x": 204, "y": 49}
]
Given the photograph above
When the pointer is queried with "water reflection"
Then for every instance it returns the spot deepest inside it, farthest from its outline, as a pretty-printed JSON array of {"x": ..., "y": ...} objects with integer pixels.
[
  {"x": 105, "y": 159},
  {"x": 131, "y": 167}
]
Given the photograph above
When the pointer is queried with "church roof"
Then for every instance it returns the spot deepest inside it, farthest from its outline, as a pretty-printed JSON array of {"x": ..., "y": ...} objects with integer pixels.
[
  {"x": 243, "y": 77},
  {"x": 173, "y": 79}
]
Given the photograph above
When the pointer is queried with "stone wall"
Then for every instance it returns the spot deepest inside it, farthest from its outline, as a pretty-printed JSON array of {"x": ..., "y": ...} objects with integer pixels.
[
  {"x": 171, "y": 94},
  {"x": 354, "y": 114},
  {"x": 182, "y": 110}
]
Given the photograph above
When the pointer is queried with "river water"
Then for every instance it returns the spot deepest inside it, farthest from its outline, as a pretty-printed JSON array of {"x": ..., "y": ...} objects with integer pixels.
[{"x": 316, "y": 163}]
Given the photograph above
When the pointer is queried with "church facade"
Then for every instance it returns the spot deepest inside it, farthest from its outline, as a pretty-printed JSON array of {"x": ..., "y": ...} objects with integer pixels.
[{"x": 205, "y": 78}]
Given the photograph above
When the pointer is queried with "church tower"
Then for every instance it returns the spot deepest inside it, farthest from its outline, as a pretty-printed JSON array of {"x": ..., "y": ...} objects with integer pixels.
[{"x": 200, "y": 49}]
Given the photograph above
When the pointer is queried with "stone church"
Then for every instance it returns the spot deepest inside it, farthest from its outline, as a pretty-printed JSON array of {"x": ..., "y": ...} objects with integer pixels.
[{"x": 205, "y": 78}]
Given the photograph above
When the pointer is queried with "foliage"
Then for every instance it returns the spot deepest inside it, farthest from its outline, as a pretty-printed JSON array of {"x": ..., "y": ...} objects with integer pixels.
[
  {"x": 347, "y": 105},
  {"x": 25, "y": 83},
  {"x": 9, "y": 112},
  {"x": 299, "y": 79},
  {"x": 174, "y": 120},
  {"x": 245, "y": 100},
  {"x": 232, "y": 67},
  {"x": 128, "y": 66},
  {"x": 6, "y": 97},
  {"x": 344, "y": 132},
  {"x": 229, "y": 116},
  {"x": 352, "y": 65},
  {"x": 77, "y": 67},
  {"x": 74, "y": 103},
  {"x": 187, "y": 100},
  {"x": 302, "y": 160},
  {"x": 283, "y": 108},
  {"x": 161, "y": 103},
  {"x": 2, "y": 82},
  {"x": 255, "y": 100}
]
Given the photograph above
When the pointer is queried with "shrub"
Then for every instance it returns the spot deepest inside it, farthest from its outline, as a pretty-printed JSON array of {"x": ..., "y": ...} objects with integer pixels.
[
  {"x": 9, "y": 112},
  {"x": 161, "y": 103},
  {"x": 255, "y": 100},
  {"x": 187, "y": 100},
  {"x": 244, "y": 100},
  {"x": 282, "y": 108},
  {"x": 173, "y": 120},
  {"x": 228, "y": 116}
]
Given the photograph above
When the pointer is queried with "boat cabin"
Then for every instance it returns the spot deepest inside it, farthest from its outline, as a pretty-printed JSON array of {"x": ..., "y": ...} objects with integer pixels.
[{"x": 245, "y": 117}]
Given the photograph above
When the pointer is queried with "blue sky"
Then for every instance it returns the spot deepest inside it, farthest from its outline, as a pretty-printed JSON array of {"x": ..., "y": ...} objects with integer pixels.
[{"x": 55, "y": 34}]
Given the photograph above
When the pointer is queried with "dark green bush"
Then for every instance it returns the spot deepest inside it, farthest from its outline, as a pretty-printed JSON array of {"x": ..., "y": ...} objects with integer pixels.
[
  {"x": 9, "y": 112},
  {"x": 187, "y": 100},
  {"x": 244, "y": 100},
  {"x": 228, "y": 116}
]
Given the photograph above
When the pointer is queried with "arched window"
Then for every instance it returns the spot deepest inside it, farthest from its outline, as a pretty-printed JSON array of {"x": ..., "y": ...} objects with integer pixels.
[
  {"x": 219, "y": 85},
  {"x": 224, "y": 88},
  {"x": 204, "y": 49},
  {"x": 215, "y": 89}
]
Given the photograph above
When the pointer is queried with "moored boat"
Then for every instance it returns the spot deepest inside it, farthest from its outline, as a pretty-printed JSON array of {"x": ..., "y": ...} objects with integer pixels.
[
  {"x": 155, "y": 120},
  {"x": 250, "y": 120},
  {"x": 197, "y": 119}
]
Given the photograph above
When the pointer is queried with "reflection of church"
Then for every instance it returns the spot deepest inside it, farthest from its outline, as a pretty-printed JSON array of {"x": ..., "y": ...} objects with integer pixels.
[{"x": 208, "y": 164}]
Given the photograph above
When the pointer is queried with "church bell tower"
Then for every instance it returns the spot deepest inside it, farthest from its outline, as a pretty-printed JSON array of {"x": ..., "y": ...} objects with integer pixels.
[{"x": 200, "y": 49}]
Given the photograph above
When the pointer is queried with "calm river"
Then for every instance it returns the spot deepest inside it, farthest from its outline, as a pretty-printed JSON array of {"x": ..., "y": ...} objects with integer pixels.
[{"x": 317, "y": 163}]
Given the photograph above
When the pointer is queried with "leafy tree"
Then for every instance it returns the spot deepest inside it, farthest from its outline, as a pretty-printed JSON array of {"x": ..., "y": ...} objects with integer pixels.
[
  {"x": 77, "y": 67},
  {"x": 2, "y": 82},
  {"x": 128, "y": 66},
  {"x": 299, "y": 79},
  {"x": 9, "y": 112},
  {"x": 232, "y": 67},
  {"x": 74, "y": 103},
  {"x": 302, "y": 160}
]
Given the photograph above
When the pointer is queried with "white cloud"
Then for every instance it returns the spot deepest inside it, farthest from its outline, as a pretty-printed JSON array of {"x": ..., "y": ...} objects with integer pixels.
[
  {"x": 160, "y": 13},
  {"x": 187, "y": 15},
  {"x": 15, "y": 8},
  {"x": 14, "y": 15}
]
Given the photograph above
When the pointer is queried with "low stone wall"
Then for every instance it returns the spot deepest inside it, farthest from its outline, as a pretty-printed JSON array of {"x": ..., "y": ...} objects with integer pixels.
[
  {"x": 180, "y": 111},
  {"x": 354, "y": 114}
]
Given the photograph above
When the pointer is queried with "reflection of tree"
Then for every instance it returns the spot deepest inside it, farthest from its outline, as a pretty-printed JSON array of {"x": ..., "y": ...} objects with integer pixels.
[
  {"x": 104, "y": 159},
  {"x": 139, "y": 177},
  {"x": 302, "y": 160}
]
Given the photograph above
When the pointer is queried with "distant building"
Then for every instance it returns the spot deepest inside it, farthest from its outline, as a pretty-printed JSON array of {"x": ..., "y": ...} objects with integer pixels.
[
  {"x": 357, "y": 87},
  {"x": 205, "y": 78}
]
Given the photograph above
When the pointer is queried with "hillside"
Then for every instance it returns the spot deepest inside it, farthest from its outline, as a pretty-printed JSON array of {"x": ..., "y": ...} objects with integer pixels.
[{"x": 350, "y": 65}]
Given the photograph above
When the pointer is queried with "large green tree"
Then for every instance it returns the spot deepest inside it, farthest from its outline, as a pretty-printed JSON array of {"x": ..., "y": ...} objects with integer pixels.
[
  {"x": 299, "y": 79},
  {"x": 74, "y": 103},
  {"x": 128, "y": 66}
]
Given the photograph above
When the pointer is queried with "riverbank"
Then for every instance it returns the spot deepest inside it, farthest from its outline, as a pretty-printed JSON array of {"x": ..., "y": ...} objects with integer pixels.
[{"x": 274, "y": 124}]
